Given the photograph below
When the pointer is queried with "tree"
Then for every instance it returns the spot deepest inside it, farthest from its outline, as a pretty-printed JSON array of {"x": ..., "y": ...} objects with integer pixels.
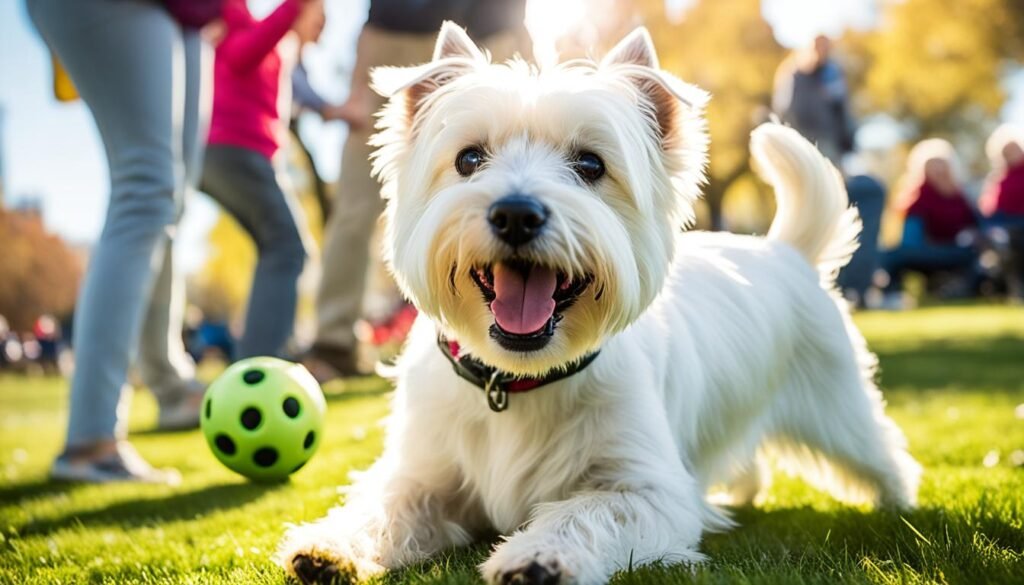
[
  {"x": 725, "y": 47},
  {"x": 937, "y": 66},
  {"x": 39, "y": 274}
]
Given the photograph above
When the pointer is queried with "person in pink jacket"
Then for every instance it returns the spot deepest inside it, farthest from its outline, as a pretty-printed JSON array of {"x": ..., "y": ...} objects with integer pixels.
[{"x": 251, "y": 101}]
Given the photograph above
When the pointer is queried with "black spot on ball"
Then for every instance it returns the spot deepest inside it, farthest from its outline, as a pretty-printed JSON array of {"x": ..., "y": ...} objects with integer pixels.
[
  {"x": 310, "y": 437},
  {"x": 291, "y": 407},
  {"x": 251, "y": 418},
  {"x": 225, "y": 444},
  {"x": 265, "y": 456},
  {"x": 253, "y": 377},
  {"x": 298, "y": 467},
  {"x": 209, "y": 403}
]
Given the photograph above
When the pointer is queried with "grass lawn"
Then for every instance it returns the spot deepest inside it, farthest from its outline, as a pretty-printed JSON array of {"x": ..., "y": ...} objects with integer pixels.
[{"x": 954, "y": 378}]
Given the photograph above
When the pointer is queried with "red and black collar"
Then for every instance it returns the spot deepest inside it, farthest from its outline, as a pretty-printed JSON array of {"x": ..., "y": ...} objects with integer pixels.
[{"x": 498, "y": 384}]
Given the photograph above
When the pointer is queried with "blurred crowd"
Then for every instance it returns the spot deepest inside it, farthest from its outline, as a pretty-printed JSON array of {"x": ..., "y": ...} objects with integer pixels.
[
  {"x": 962, "y": 248},
  {"x": 43, "y": 350}
]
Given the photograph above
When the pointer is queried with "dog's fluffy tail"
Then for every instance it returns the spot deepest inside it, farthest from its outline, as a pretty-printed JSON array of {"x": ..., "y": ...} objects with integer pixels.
[{"x": 813, "y": 213}]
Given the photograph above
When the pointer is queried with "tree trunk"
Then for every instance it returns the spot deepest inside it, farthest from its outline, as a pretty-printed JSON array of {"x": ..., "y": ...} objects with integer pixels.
[
  {"x": 714, "y": 201},
  {"x": 715, "y": 192}
]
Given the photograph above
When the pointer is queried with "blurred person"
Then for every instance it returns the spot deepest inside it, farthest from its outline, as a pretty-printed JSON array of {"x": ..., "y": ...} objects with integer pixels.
[
  {"x": 31, "y": 351},
  {"x": 305, "y": 98},
  {"x": 940, "y": 227},
  {"x": 10, "y": 346},
  {"x": 1003, "y": 199},
  {"x": 47, "y": 333},
  {"x": 855, "y": 279},
  {"x": 213, "y": 338},
  {"x": 207, "y": 336},
  {"x": 252, "y": 89},
  {"x": 139, "y": 68},
  {"x": 810, "y": 95},
  {"x": 396, "y": 33},
  {"x": 1002, "y": 203}
]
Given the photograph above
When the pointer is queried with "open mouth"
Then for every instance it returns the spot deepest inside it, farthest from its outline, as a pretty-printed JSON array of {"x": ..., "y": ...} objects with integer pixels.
[{"x": 527, "y": 301}]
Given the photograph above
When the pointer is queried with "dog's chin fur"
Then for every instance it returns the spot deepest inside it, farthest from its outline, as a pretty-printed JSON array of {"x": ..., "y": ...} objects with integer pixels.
[{"x": 719, "y": 352}]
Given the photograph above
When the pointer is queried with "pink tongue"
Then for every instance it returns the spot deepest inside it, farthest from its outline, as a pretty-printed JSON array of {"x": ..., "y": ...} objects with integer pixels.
[{"x": 523, "y": 306}]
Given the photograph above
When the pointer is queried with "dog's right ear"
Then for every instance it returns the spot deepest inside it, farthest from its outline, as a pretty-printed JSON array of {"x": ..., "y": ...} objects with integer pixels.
[{"x": 455, "y": 54}]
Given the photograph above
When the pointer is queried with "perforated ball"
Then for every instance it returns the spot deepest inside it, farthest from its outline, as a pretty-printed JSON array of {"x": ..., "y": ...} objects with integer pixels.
[{"x": 263, "y": 417}]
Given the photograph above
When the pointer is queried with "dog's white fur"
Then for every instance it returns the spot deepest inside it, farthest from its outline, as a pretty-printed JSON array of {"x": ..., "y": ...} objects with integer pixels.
[{"x": 715, "y": 348}]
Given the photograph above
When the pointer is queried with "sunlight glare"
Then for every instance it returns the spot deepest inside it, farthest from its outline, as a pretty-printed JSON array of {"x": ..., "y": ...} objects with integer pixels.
[{"x": 550, "y": 20}]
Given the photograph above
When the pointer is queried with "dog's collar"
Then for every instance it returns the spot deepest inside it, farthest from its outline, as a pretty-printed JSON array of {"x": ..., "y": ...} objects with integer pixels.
[{"x": 498, "y": 384}]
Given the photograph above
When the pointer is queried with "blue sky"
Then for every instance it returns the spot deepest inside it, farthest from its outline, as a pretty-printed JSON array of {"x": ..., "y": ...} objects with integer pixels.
[{"x": 51, "y": 150}]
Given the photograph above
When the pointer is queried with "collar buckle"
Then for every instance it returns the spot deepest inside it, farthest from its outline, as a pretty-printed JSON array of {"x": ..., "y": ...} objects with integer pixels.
[{"x": 497, "y": 394}]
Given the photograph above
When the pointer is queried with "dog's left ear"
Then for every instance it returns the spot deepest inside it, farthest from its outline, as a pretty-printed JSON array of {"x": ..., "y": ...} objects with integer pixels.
[
  {"x": 636, "y": 48},
  {"x": 669, "y": 97},
  {"x": 455, "y": 54},
  {"x": 454, "y": 43}
]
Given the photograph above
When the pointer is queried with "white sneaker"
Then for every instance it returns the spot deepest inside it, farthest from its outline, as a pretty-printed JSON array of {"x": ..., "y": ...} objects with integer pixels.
[
  {"x": 124, "y": 465},
  {"x": 183, "y": 414}
]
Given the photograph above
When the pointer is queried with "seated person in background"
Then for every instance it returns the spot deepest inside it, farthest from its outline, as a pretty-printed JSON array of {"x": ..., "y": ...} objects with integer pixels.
[
  {"x": 1003, "y": 204},
  {"x": 1003, "y": 200},
  {"x": 855, "y": 279},
  {"x": 939, "y": 229}
]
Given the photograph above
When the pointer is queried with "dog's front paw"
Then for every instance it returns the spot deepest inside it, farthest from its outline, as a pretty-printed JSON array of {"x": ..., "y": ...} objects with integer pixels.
[
  {"x": 312, "y": 553},
  {"x": 534, "y": 573},
  {"x": 515, "y": 564},
  {"x": 309, "y": 569}
]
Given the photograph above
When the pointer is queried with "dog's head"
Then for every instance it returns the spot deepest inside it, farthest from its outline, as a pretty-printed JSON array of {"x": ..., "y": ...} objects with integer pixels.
[{"x": 533, "y": 213}]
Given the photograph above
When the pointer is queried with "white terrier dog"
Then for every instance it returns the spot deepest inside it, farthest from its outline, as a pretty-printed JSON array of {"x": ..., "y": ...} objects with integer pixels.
[{"x": 582, "y": 372}]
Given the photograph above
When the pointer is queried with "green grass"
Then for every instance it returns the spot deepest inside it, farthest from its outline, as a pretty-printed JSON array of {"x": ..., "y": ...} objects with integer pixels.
[{"x": 953, "y": 378}]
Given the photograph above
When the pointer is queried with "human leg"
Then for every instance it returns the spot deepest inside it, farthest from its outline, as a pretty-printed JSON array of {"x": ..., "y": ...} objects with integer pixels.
[
  {"x": 346, "y": 253},
  {"x": 132, "y": 100},
  {"x": 244, "y": 182},
  {"x": 166, "y": 369}
]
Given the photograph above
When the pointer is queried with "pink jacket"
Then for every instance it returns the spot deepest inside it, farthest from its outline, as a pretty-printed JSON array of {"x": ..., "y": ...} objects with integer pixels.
[{"x": 250, "y": 78}]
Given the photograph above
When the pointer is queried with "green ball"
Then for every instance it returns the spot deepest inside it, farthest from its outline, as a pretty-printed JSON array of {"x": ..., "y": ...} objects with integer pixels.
[{"x": 263, "y": 417}]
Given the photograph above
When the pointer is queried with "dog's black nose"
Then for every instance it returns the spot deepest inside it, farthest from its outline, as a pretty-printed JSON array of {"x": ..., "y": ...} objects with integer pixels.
[{"x": 517, "y": 219}]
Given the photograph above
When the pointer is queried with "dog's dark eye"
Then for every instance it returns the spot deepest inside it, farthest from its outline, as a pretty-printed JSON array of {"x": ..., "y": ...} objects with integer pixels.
[
  {"x": 469, "y": 160},
  {"x": 589, "y": 167}
]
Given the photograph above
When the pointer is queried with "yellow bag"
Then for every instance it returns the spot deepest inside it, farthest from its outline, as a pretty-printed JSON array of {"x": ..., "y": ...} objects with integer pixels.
[{"x": 63, "y": 88}]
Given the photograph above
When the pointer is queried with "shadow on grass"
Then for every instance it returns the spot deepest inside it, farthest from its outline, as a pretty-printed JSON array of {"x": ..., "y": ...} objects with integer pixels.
[
  {"x": 357, "y": 387},
  {"x": 997, "y": 362},
  {"x": 809, "y": 546},
  {"x": 451, "y": 567},
  {"x": 873, "y": 530},
  {"x": 358, "y": 394},
  {"x": 147, "y": 511},
  {"x": 931, "y": 542},
  {"x": 19, "y": 493}
]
